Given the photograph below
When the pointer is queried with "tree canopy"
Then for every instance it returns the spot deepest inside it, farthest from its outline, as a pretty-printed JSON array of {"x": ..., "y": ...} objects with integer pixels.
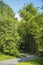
[
  {"x": 8, "y": 30},
  {"x": 30, "y": 27},
  {"x": 24, "y": 35}
]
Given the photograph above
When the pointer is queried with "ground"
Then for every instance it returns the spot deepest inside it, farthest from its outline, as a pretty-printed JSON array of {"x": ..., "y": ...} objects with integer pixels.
[
  {"x": 15, "y": 61},
  {"x": 26, "y": 60},
  {"x": 38, "y": 61}
]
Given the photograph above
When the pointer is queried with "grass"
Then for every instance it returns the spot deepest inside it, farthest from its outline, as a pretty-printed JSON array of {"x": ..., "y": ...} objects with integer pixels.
[
  {"x": 38, "y": 61},
  {"x": 5, "y": 57}
]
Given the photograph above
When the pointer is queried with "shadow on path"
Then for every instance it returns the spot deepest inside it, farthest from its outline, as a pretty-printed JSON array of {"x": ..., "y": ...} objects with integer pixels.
[{"x": 18, "y": 60}]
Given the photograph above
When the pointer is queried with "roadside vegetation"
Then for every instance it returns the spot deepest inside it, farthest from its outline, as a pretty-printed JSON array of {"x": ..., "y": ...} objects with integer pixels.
[{"x": 5, "y": 57}]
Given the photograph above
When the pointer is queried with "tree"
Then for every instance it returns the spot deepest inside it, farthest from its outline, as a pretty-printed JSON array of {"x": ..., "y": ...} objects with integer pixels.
[
  {"x": 5, "y": 10},
  {"x": 38, "y": 29},
  {"x": 28, "y": 13},
  {"x": 9, "y": 37}
]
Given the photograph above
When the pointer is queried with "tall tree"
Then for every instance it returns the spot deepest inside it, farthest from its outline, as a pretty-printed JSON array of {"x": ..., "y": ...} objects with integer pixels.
[
  {"x": 28, "y": 13},
  {"x": 8, "y": 30}
]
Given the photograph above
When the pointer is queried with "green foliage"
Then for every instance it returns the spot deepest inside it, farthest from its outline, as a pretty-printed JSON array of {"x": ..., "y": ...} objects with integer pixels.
[
  {"x": 8, "y": 36},
  {"x": 8, "y": 30},
  {"x": 5, "y": 57},
  {"x": 30, "y": 28},
  {"x": 14, "y": 35},
  {"x": 5, "y": 10}
]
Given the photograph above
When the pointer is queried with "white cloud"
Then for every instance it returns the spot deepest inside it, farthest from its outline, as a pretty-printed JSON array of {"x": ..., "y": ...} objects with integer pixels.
[{"x": 18, "y": 17}]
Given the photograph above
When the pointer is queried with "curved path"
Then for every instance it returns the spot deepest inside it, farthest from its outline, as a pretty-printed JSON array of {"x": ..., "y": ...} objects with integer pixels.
[{"x": 17, "y": 60}]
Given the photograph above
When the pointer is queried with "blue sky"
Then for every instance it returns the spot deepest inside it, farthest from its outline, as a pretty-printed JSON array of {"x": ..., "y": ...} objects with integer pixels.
[{"x": 16, "y": 5}]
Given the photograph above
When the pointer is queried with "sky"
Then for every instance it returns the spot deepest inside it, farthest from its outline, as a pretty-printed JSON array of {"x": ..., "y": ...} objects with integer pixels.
[{"x": 16, "y": 5}]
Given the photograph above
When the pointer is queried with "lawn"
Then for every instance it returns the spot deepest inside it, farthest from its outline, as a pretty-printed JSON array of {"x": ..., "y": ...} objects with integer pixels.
[
  {"x": 4, "y": 57},
  {"x": 38, "y": 61}
]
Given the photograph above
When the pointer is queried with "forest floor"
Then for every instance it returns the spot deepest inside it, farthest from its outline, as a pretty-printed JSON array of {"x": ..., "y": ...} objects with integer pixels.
[{"x": 18, "y": 60}]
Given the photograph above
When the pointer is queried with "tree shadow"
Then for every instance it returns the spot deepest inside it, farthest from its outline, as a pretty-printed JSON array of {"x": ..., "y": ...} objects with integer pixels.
[
  {"x": 38, "y": 61},
  {"x": 27, "y": 58}
]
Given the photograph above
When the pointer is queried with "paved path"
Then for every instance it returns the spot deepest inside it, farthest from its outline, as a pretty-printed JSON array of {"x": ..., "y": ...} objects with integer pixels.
[{"x": 17, "y": 60}]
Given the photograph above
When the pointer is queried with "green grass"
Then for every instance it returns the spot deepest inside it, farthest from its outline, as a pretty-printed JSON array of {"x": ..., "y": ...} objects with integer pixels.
[
  {"x": 38, "y": 61},
  {"x": 5, "y": 57}
]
